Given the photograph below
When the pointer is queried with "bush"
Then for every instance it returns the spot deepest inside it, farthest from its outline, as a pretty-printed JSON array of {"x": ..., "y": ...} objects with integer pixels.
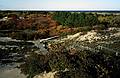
[
  {"x": 61, "y": 17},
  {"x": 75, "y": 19},
  {"x": 83, "y": 64},
  {"x": 115, "y": 22},
  {"x": 10, "y": 24},
  {"x": 35, "y": 64},
  {"x": 110, "y": 20},
  {"x": 91, "y": 20},
  {"x": 1, "y": 16},
  {"x": 79, "y": 63}
]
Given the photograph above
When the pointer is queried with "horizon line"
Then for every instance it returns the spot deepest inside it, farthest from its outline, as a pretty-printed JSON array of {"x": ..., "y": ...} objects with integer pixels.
[{"x": 81, "y": 10}]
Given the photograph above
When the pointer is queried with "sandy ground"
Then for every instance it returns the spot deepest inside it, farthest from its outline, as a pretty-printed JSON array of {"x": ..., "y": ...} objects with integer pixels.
[
  {"x": 46, "y": 75},
  {"x": 12, "y": 73}
]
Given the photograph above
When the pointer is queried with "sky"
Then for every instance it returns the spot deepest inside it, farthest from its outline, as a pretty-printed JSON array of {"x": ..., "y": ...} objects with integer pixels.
[{"x": 59, "y": 4}]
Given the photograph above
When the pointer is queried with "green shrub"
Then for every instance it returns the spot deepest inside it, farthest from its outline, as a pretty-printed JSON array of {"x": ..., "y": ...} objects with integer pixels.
[
  {"x": 110, "y": 20},
  {"x": 75, "y": 19},
  {"x": 80, "y": 63},
  {"x": 91, "y": 20},
  {"x": 1, "y": 16},
  {"x": 115, "y": 22},
  {"x": 85, "y": 29},
  {"x": 61, "y": 17},
  {"x": 35, "y": 64}
]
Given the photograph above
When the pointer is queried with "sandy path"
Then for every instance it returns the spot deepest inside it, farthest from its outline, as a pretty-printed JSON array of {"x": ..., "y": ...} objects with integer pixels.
[{"x": 12, "y": 73}]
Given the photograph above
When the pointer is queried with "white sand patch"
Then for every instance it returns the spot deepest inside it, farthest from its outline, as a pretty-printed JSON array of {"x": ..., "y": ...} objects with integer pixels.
[
  {"x": 90, "y": 36},
  {"x": 74, "y": 36},
  {"x": 116, "y": 34},
  {"x": 46, "y": 75},
  {"x": 6, "y": 39},
  {"x": 115, "y": 29}
]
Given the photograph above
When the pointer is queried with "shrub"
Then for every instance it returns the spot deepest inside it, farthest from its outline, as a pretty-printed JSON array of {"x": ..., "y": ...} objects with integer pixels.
[
  {"x": 61, "y": 17},
  {"x": 1, "y": 16},
  {"x": 75, "y": 19},
  {"x": 79, "y": 63},
  {"x": 35, "y": 64},
  {"x": 115, "y": 21},
  {"x": 10, "y": 24},
  {"x": 91, "y": 20}
]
